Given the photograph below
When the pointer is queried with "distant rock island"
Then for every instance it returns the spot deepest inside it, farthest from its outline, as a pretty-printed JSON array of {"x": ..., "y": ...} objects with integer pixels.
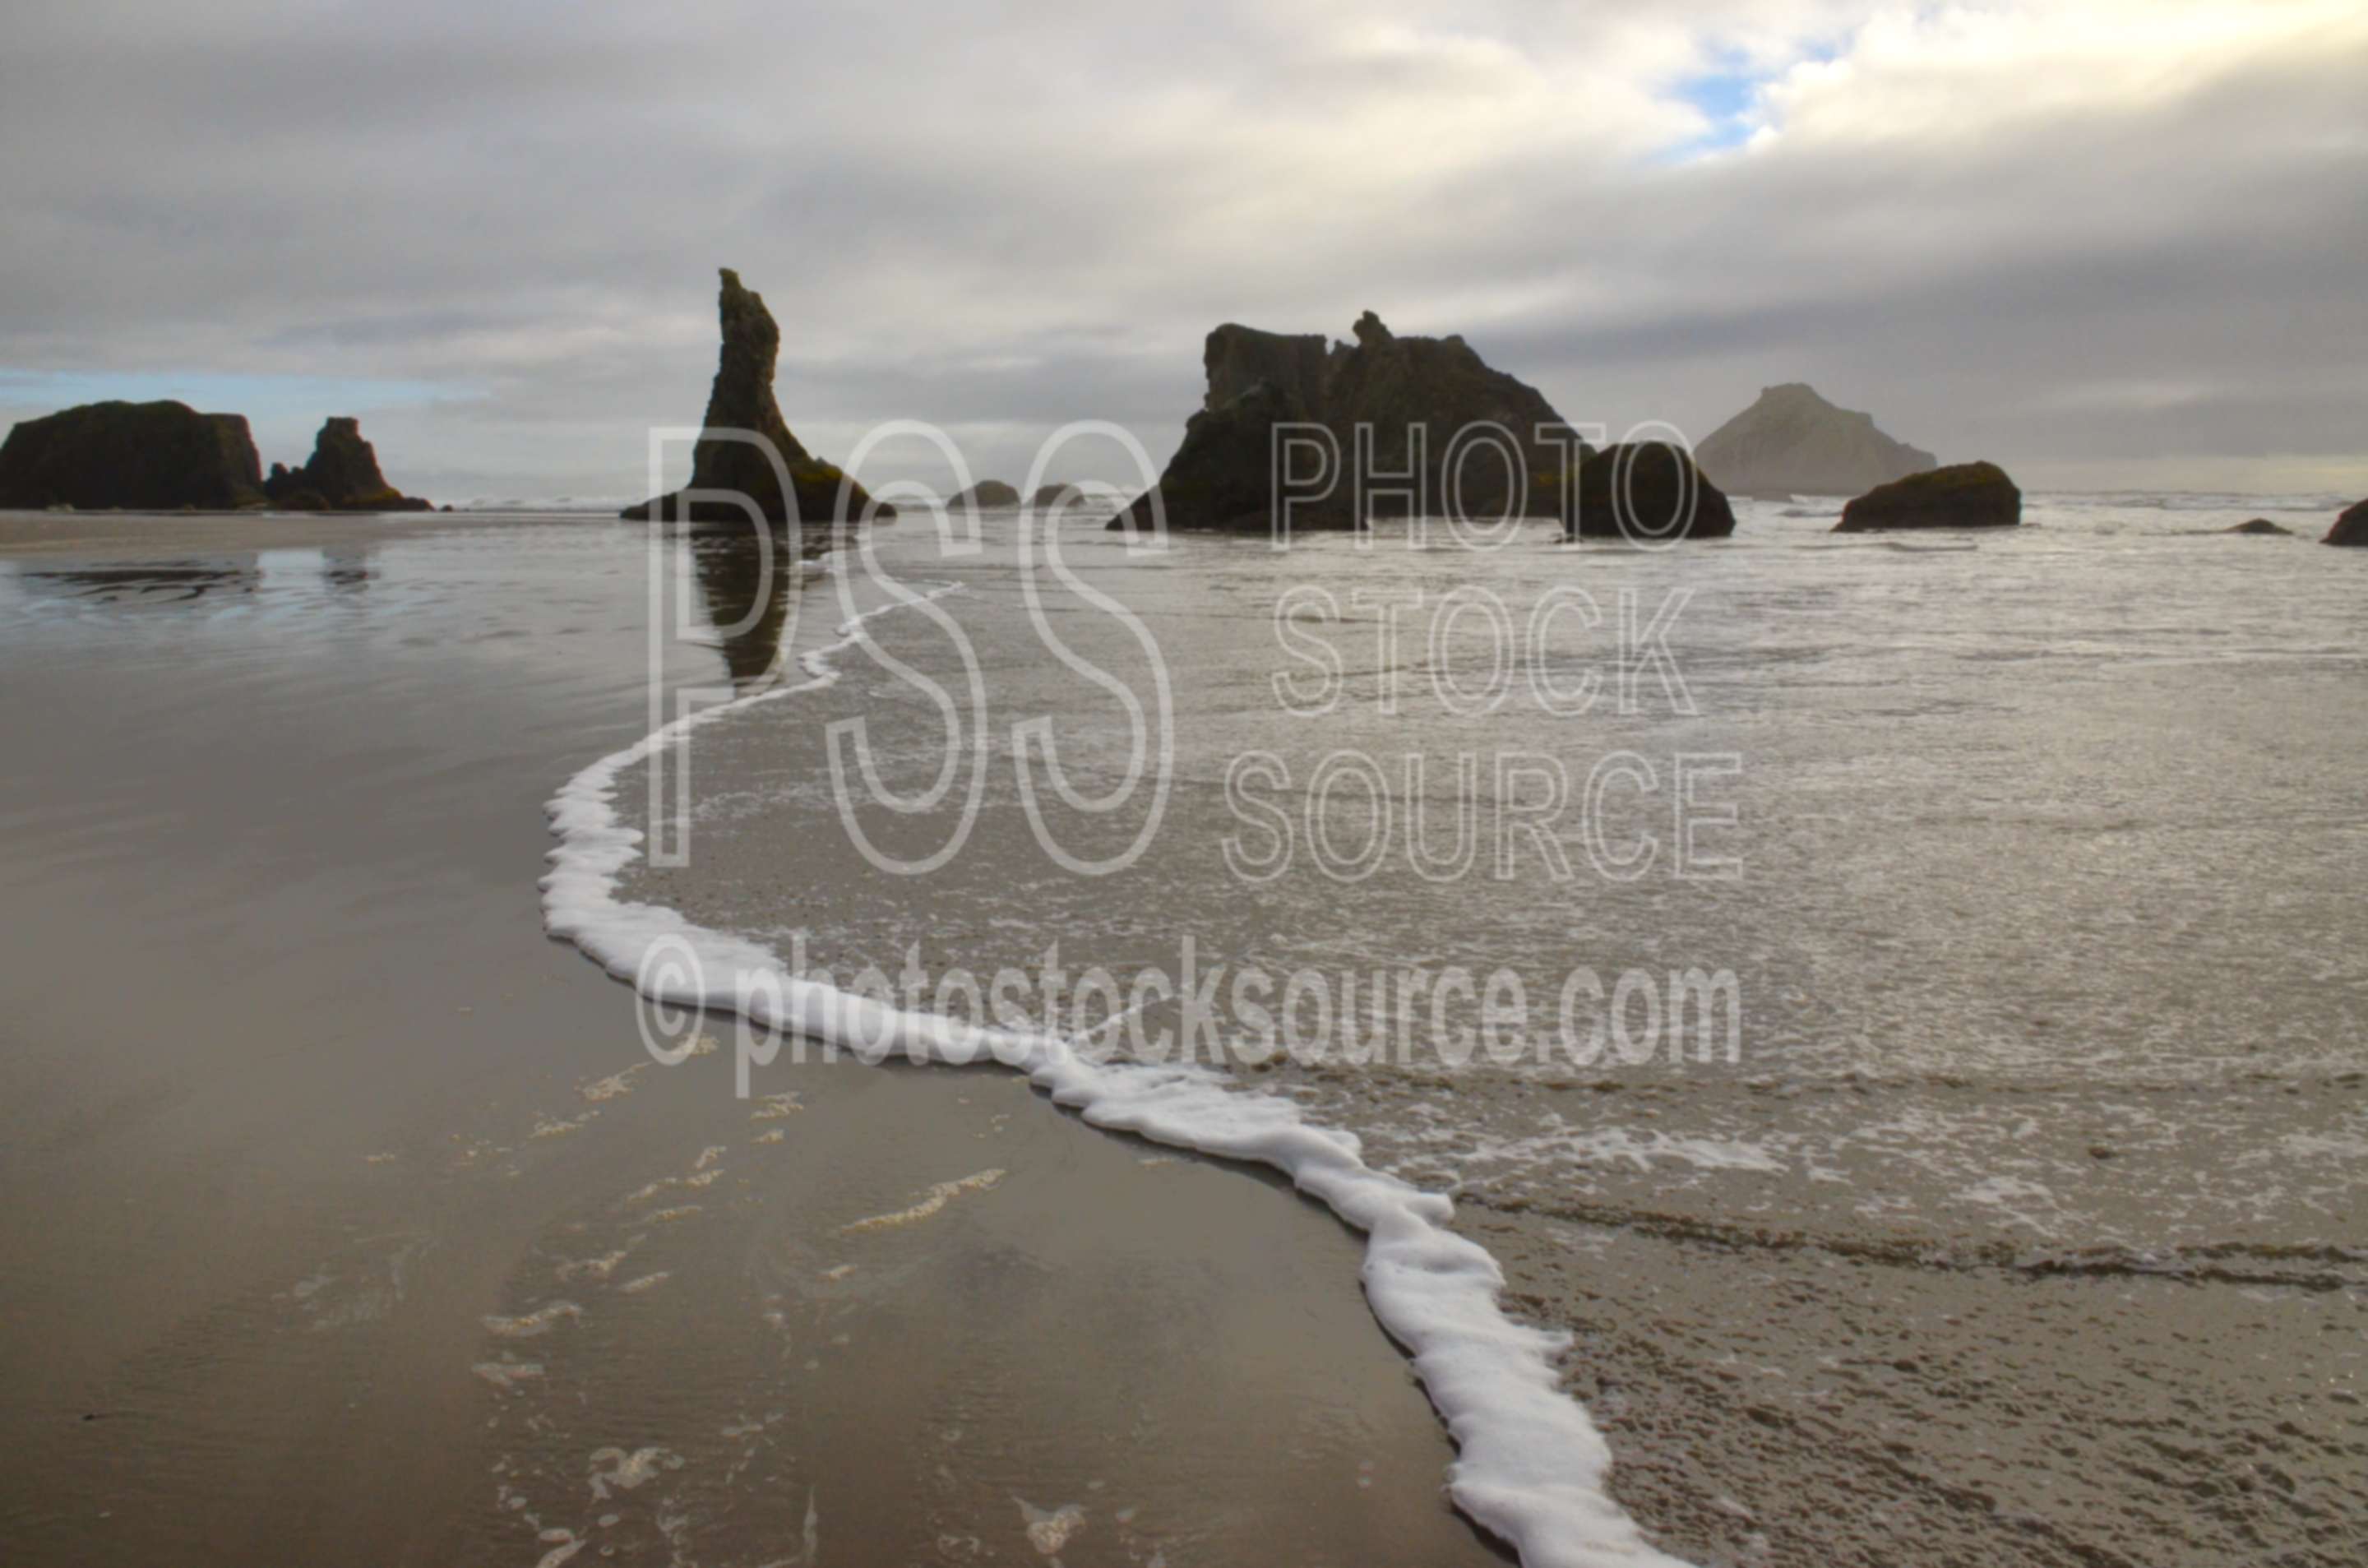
[
  {"x": 2351, "y": 528},
  {"x": 1051, "y": 495},
  {"x": 987, "y": 494},
  {"x": 1965, "y": 495},
  {"x": 1645, "y": 492},
  {"x": 1792, "y": 442},
  {"x": 145, "y": 457},
  {"x": 742, "y": 401},
  {"x": 1222, "y": 475},
  {"x": 342, "y": 475},
  {"x": 2257, "y": 526},
  {"x": 167, "y": 457}
]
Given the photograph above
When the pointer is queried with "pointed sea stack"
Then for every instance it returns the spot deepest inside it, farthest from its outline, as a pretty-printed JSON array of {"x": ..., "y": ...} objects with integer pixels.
[
  {"x": 1792, "y": 442},
  {"x": 1222, "y": 476},
  {"x": 1965, "y": 495},
  {"x": 342, "y": 475},
  {"x": 1646, "y": 492},
  {"x": 742, "y": 401},
  {"x": 147, "y": 456},
  {"x": 2349, "y": 529}
]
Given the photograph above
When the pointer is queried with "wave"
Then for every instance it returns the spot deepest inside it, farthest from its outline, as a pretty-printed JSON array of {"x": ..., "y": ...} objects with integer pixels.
[
  {"x": 597, "y": 506},
  {"x": 2191, "y": 500},
  {"x": 1530, "y": 1467},
  {"x": 2303, "y": 1266}
]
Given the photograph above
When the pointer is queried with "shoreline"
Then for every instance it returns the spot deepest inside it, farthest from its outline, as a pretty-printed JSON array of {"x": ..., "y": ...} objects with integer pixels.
[
  {"x": 378, "y": 1254},
  {"x": 1531, "y": 1467}
]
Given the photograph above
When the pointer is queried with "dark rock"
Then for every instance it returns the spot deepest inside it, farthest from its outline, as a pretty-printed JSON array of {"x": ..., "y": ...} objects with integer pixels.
[
  {"x": 2257, "y": 526},
  {"x": 342, "y": 475},
  {"x": 986, "y": 493},
  {"x": 1646, "y": 492},
  {"x": 1052, "y": 496},
  {"x": 1964, "y": 495},
  {"x": 1404, "y": 389},
  {"x": 2349, "y": 529},
  {"x": 742, "y": 401},
  {"x": 1792, "y": 442},
  {"x": 138, "y": 456}
]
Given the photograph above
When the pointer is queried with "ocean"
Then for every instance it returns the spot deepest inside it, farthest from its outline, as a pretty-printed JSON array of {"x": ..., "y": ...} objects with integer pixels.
[
  {"x": 1809, "y": 1048},
  {"x": 1890, "y": 1006}
]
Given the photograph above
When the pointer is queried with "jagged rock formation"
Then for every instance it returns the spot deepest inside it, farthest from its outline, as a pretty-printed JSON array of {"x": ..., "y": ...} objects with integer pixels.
[
  {"x": 2257, "y": 526},
  {"x": 2351, "y": 528},
  {"x": 1645, "y": 492},
  {"x": 742, "y": 400},
  {"x": 1051, "y": 495},
  {"x": 342, "y": 475},
  {"x": 1966, "y": 495},
  {"x": 986, "y": 493},
  {"x": 138, "y": 456},
  {"x": 1792, "y": 442},
  {"x": 1404, "y": 389}
]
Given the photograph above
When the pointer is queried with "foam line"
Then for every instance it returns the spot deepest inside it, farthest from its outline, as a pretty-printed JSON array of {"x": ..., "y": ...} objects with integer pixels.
[{"x": 1531, "y": 1466}]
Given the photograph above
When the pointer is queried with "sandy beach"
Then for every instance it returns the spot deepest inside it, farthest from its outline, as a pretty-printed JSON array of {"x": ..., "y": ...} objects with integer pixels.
[
  {"x": 2004, "y": 1227},
  {"x": 349, "y": 1219}
]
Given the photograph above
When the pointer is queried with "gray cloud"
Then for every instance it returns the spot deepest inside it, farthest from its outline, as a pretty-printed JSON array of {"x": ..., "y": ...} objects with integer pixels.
[{"x": 2127, "y": 254}]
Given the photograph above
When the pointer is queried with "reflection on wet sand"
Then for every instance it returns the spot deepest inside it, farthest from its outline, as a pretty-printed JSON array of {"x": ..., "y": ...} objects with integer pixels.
[
  {"x": 344, "y": 567},
  {"x": 746, "y": 583},
  {"x": 150, "y": 584}
]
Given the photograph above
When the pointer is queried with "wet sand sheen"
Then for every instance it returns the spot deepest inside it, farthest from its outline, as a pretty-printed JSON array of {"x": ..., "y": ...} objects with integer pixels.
[
  {"x": 2021, "y": 1230},
  {"x": 348, "y": 1220}
]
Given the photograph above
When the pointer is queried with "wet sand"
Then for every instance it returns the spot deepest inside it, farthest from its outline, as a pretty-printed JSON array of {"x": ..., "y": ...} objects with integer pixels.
[
  {"x": 2024, "y": 1225},
  {"x": 348, "y": 1220}
]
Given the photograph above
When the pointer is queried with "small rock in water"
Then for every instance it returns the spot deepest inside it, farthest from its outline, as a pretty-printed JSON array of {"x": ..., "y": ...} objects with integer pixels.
[{"x": 2350, "y": 528}]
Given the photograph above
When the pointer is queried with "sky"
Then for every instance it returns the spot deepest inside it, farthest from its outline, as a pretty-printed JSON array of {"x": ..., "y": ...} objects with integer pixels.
[{"x": 2118, "y": 244}]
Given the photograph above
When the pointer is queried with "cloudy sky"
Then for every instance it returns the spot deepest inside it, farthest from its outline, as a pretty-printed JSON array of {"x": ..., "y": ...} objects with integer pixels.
[{"x": 2105, "y": 242}]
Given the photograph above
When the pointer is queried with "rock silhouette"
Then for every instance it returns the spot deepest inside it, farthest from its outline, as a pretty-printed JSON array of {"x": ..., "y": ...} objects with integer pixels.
[
  {"x": 342, "y": 475},
  {"x": 740, "y": 404},
  {"x": 1050, "y": 496},
  {"x": 162, "y": 456},
  {"x": 986, "y": 493},
  {"x": 2260, "y": 525},
  {"x": 1429, "y": 409},
  {"x": 1965, "y": 495},
  {"x": 1646, "y": 492},
  {"x": 2351, "y": 528},
  {"x": 1792, "y": 442}
]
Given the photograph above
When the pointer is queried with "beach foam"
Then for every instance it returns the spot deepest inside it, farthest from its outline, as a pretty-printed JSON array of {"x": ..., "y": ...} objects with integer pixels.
[{"x": 1530, "y": 1467}]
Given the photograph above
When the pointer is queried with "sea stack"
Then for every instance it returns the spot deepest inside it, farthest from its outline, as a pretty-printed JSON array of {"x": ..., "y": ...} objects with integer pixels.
[
  {"x": 1646, "y": 492},
  {"x": 2258, "y": 528},
  {"x": 1222, "y": 476},
  {"x": 147, "y": 456},
  {"x": 1964, "y": 495},
  {"x": 1048, "y": 496},
  {"x": 741, "y": 402},
  {"x": 342, "y": 475},
  {"x": 2351, "y": 528},
  {"x": 987, "y": 494},
  {"x": 1792, "y": 442}
]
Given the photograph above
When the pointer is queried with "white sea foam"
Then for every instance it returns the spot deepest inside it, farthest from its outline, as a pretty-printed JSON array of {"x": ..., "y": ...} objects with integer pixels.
[
  {"x": 937, "y": 1198},
  {"x": 535, "y": 1324},
  {"x": 1531, "y": 1466}
]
